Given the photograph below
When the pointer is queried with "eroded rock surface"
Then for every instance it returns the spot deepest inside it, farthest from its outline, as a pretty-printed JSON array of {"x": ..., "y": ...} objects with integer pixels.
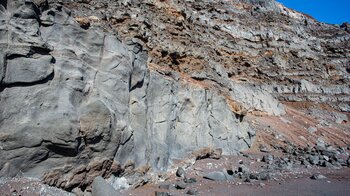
[
  {"x": 72, "y": 97},
  {"x": 87, "y": 87}
]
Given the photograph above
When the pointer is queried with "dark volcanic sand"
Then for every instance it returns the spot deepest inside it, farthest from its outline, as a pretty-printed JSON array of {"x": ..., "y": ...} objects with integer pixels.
[{"x": 337, "y": 183}]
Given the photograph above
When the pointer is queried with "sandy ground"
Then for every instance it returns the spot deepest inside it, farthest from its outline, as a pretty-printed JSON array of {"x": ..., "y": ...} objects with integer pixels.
[{"x": 297, "y": 182}]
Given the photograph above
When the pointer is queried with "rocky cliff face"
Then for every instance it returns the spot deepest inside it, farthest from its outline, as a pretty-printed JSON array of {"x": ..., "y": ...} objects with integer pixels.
[{"x": 90, "y": 86}]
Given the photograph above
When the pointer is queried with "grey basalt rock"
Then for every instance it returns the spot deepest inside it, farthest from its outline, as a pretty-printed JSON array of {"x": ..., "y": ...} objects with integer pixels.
[
  {"x": 179, "y": 118},
  {"x": 158, "y": 193},
  {"x": 318, "y": 177},
  {"x": 215, "y": 176},
  {"x": 192, "y": 192},
  {"x": 78, "y": 95},
  {"x": 67, "y": 89},
  {"x": 257, "y": 98},
  {"x": 180, "y": 172},
  {"x": 100, "y": 187},
  {"x": 28, "y": 70}
]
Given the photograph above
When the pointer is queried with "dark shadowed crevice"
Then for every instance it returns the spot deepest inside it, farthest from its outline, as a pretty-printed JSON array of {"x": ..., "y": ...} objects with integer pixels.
[
  {"x": 14, "y": 56},
  {"x": 239, "y": 116},
  {"x": 3, "y": 3},
  {"x": 94, "y": 140},
  {"x": 26, "y": 84},
  {"x": 174, "y": 58},
  {"x": 137, "y": 85},
  {"x": 62, "y": 150},
  {"x": 39, "y": 50}
]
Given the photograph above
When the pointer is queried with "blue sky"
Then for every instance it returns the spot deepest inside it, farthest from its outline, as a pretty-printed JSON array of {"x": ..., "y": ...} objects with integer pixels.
[{"x": 328, "y": 11}]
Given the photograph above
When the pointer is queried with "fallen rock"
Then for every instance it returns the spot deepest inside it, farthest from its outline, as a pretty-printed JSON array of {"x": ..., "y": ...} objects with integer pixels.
[
  {"x": 254, "y": 176},
  {"x": 264, "y": 176},
  {"x": 312, "y": 129},
  {"x": 261, "y": 184},
  {"x": 320, "y": 143},
  {"x": 243, "y": 169},
  {"x": 157, "y": 193},
  {"x": 164, "y": 186},
  {"x": 326, "y": 158},
  {"x": 190, "y": 180},
  {"x": 318, "y": 177},
  {"x": 325, "y": 164},
  {"x": 314, "y": 160},
  {"x": 215, "y": 176},
  {"x": 180, "y": 172},
  {"x": 100, "y": 187},
  {"x": 229, "y": 174},
  {"x": 342, "y": 162},
  {"x": 263, "y": 148},
  {"x": 192, "y": 192},
  {"x": 180, "y": 185},
  {"x": 267, "y": 158}
]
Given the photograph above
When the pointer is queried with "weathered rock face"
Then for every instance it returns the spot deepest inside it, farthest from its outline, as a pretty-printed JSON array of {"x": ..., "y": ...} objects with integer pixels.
[
  {"x": 64, "y": 90},
  {"x": 88, "y": 85},
  {"x": 71, "y": 97}
]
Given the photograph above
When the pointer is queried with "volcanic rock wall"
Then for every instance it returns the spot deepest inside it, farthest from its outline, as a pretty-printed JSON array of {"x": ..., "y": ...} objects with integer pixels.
[
  {"x": 71, "y": 97},
  {"x": 88, "y": 85}
]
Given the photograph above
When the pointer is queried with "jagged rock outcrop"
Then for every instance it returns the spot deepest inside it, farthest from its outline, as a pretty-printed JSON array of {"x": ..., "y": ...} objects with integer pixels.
[{"x": 104, "y": 83}]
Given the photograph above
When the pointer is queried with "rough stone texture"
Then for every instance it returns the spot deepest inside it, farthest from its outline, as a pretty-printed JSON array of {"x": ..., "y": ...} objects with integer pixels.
[
  {"x": 180, "y": 119},
  {"x": 242, "y": 47},
  {"x": 100, "y": 187},
  {"x": 64, "y": 94},
  {"x": 87, "y": 86},
  {"x": 28, "y": 186},
  {"x": 216, "y": 176},
  {"x": 73, "y": 99}
]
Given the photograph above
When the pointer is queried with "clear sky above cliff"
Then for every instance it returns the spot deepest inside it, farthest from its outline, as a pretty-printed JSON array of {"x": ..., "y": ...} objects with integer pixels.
[{"x": 328, "y": 11}]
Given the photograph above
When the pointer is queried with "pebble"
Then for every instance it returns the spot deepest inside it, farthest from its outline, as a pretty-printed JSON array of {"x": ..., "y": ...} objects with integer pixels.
[
  {"x": 180, "y": 172},
  {"x": 264, "y": 176},
  {"x": 312, "y": 129},
  {"x": 314, "y": 160},
  {"x": 267, "y": 158},
  {"x": 190, "y": 180},
  {"x": 162, "y": 194},
  {"x": 216, "y": 176},
  {"x": 318, "y": 177},
  {"x": 164, "y": 186},
  {"x": 253, "y": 176},
  {"x": 263, "y": 148},
  {"x": 243, "y": 169},
  {"x": 192, "y": 192},
  {"x": 180, "y": 185}
]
